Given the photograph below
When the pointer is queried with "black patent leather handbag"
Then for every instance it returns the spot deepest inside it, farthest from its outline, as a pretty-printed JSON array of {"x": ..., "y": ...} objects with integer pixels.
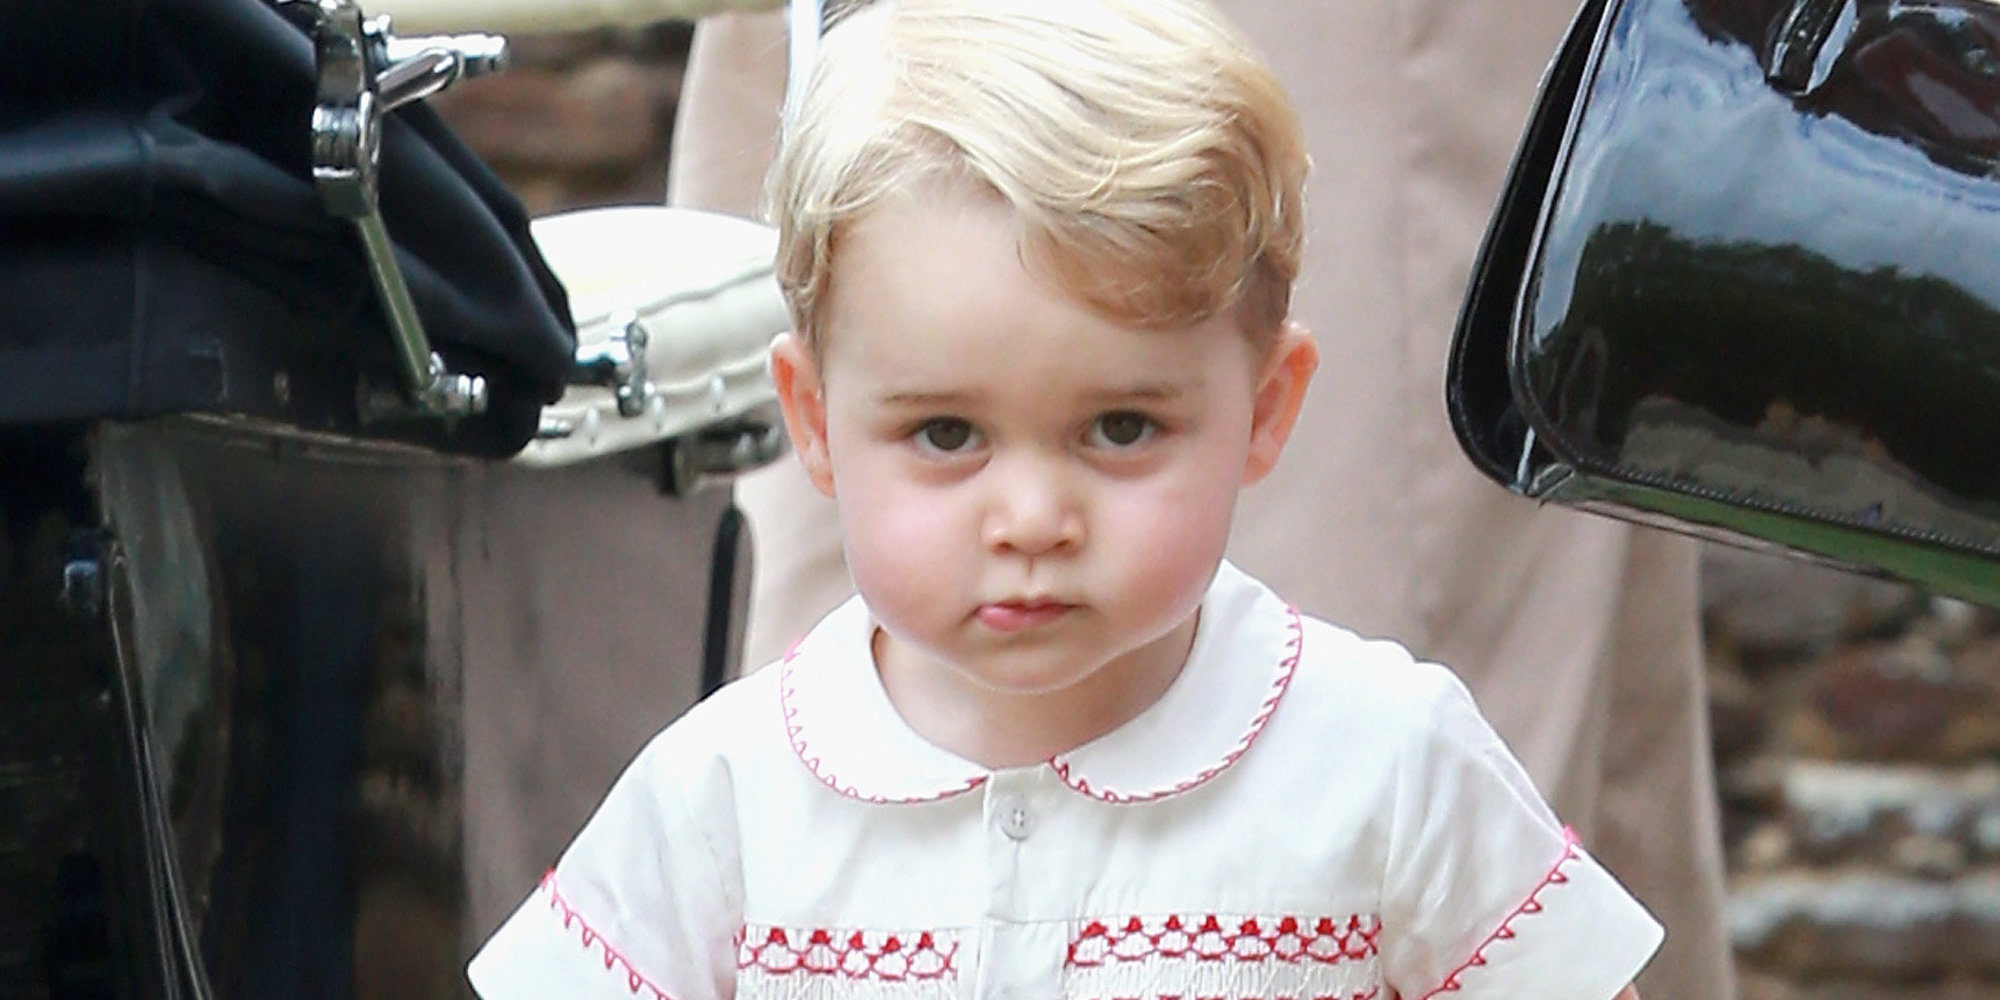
[{"x": 1744, "y": 282}]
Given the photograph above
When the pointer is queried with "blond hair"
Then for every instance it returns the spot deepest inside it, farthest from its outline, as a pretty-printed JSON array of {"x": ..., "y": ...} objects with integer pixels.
[{"x": 1154, "y": 164}]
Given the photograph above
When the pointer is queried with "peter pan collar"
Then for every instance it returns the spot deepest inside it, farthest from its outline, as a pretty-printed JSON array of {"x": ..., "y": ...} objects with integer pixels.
[{"x": 845, "y": 731}]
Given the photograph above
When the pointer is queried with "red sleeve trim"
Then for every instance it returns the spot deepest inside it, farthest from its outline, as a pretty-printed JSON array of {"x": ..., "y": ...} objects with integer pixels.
[
  {"x": 1505, "y": 932},
  {"x": 612, "y": 958}
]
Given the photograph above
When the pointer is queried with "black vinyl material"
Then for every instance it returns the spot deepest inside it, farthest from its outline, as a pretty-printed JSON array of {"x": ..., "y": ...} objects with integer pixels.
[
  {"x": 162, "y": 248},
  {"x": 1741, "y": 282}
]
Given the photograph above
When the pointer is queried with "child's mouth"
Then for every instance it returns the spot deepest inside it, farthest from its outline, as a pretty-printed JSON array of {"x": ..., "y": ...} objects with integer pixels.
[{"x": 1015, "y": 616}]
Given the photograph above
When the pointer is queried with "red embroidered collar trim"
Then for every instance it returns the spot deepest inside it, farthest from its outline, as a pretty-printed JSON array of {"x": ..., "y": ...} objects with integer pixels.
[
  {"x": 1279, "y": 685},
  {"x": 795, "y": 734},
  {"x": 1113, "y": 769},
  {"x": 1505, "y": 932}
]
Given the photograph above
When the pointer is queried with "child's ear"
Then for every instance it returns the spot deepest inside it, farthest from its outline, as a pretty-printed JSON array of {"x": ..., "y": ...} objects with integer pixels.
[
  {"x": 802, "y": 396},
  {"x": 1281, "y": 391}
]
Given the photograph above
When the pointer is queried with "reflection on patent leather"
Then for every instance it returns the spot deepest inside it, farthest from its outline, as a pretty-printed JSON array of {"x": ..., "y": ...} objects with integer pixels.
[{"x": 1731, "y": 222}]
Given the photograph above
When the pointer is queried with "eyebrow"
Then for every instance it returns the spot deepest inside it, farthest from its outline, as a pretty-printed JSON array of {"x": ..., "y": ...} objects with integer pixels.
[
  {"x": 1152, "y": 392},
  {"x": 1164, "y": 391},
  {"x": 920, "y": 398}
]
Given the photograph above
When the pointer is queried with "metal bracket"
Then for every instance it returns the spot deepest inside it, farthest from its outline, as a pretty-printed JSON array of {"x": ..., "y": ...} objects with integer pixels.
[
  {"x": 84, "y": 578},
  {"x": 363, "y": 74},
  {"x": 619, "y": 364},
  {"x": 717, "y": 452}
]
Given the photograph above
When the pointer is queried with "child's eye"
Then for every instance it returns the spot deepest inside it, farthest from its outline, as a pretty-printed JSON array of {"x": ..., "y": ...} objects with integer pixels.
[
  {"x": 946, "y": 435},
  {"x": 1121, "y": 429}
]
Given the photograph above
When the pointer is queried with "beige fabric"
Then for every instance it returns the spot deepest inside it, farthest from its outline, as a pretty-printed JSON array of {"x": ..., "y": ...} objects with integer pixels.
[
  {"x": 577, "y": 599},
  {"x": 1561, "y": 623}
]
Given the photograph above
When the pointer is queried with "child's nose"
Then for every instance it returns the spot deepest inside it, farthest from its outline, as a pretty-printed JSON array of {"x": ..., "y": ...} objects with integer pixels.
[{"x": 1032, "y": 512}]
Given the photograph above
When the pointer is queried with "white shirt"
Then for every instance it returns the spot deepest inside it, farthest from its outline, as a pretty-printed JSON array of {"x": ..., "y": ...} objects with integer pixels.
[{"x": 1303, "y": 815}]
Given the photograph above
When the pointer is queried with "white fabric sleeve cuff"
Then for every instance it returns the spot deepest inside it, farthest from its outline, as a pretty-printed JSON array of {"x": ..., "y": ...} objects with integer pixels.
[
  {"x": 1598, "y": 937},
  {"x": 547, "y": 950}
]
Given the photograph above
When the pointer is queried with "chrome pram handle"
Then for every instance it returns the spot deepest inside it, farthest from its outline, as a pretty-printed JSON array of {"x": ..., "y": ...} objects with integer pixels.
[
  {"x": 363, "y": 74},
  {"x": 673, "y": 308}
]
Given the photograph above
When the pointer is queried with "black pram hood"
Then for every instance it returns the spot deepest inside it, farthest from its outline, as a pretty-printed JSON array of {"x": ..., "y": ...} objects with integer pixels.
[{"x": 163, "y": 249}]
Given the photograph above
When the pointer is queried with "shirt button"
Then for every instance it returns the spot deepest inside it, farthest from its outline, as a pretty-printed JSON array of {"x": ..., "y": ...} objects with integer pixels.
[{"x": 1017, "y": 822}]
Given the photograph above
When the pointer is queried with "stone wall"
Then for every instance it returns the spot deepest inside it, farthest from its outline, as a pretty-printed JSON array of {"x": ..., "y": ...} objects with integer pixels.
[
  {"x": 1857, "y": 734},
  {"x": 1857, "y": 722},
  {"x": 577, "y": 119}
]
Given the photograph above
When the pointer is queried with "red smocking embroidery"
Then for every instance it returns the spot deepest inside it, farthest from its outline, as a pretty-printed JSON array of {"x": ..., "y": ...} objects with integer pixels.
[
  {"x": 1214, "y": 938},
  {"x": 1286, "y": 668},
  {"x": 872, "y": 955},
  {"x": 1505, "y": 932},
  {"x": 794, "y": 732},
  {"x": 592, "y": 940}
]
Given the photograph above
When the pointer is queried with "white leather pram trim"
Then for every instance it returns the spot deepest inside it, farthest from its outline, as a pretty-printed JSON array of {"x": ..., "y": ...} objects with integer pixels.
[{"x": 702, "y": 286}]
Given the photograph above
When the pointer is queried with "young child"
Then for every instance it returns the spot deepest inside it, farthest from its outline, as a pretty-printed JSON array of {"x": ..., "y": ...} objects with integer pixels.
[{"x": 1039, "y": 254}]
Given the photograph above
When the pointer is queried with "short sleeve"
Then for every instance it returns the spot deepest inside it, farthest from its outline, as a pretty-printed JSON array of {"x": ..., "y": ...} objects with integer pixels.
[
  {"x": 644, "y": 903},
  {"x": 1486, "y": 894}
]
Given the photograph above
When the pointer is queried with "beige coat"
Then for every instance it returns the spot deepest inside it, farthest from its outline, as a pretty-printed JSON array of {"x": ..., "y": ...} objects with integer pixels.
[{"x": 1579, "y": 635}]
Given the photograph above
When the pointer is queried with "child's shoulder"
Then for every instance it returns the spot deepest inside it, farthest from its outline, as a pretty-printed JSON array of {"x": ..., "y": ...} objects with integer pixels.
[
  {"x": 1329, "y": 678},
  {"x": 1376, "y": 683},
  {"x": 738, "y": 724}
]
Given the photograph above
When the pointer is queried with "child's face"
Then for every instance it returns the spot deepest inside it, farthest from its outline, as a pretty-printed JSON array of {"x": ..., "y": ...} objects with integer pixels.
[{"x": 1029, "y": 491}]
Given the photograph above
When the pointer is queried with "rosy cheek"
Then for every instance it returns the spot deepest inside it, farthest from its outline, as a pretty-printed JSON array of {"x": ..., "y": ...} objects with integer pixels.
[
  {"x": 903, "y": 526},
  {"x": 1172, "y": 540},
  {"x": 899, "y": 539}
]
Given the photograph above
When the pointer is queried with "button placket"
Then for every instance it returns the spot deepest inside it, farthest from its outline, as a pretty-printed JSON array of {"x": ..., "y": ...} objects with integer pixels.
[{"x": 1016, "y": 961}]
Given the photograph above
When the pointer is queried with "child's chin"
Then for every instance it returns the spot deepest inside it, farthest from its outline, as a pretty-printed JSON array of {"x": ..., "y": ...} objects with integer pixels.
[{"x": 1021, "y": 672}]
